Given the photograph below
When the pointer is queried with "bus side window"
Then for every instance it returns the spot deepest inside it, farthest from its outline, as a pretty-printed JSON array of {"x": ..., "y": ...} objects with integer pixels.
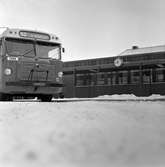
[{"x": 0, "y": 47}]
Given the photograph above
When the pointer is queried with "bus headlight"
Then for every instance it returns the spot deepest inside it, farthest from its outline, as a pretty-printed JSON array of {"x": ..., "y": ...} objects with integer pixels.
[
  {"x": 58, "y": 79},
  {"x": 60, "y": 74},
  {"x": 8, "y": 71}
]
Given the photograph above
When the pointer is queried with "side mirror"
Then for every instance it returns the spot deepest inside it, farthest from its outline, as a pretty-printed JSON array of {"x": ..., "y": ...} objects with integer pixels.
[{"x": 63, "y": 50}]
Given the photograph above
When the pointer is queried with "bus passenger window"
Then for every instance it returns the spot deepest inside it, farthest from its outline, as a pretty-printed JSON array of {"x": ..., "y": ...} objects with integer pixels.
[{"x": 0, "y": 48}]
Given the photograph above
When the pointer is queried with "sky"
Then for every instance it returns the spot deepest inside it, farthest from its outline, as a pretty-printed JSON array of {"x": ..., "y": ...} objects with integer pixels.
[{"x": 90, "y": 28}]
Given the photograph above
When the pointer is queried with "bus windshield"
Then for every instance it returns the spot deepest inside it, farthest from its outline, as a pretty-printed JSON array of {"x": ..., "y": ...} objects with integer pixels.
[
  {"x": 20, "y": 47},
  {"x": 27, "y": 48},
  {"x": 48, "y": 50}
]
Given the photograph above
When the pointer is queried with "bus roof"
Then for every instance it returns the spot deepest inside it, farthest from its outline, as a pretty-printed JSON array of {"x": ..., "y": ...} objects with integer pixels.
[{"x": 30, "y": 34}]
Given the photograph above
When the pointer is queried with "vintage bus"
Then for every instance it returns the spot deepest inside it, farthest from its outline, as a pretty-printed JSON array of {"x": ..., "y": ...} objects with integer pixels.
[{"x": 30, "y": 64}]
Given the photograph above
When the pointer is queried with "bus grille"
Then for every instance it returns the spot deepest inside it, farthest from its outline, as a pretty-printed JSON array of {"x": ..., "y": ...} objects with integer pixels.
[{"x": 29, "y": 72}]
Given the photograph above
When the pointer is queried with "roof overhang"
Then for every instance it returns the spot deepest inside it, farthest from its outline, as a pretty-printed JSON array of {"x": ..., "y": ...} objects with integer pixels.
[{"x": 112, "y": 67}]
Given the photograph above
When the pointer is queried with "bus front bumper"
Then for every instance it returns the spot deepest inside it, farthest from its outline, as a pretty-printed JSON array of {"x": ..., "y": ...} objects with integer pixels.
[{"x": 35, "y": 84}]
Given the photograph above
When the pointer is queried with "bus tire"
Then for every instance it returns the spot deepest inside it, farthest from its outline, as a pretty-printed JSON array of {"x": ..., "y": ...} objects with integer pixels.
[
  {"x": 62, "y": 96},
  {"x": 46, "y": 98},
  {"x": 3, "y": 97}
]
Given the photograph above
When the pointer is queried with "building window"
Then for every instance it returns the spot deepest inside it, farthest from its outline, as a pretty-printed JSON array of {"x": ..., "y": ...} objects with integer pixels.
[
  {"x": 113, "y": 77},
  {"x": 109, "y": 74},
  {"x": 122, "y": 77},
  {"x": 80, "y": 79},
  {"x": 160, "y": 75},
  {"x": 94, "y": 78},
  {"x": 102, "y": 78},
  {"x": 134, "y": 77},
  {"x": 146, "y": 76},
  {"x": 90, "y": 79}
]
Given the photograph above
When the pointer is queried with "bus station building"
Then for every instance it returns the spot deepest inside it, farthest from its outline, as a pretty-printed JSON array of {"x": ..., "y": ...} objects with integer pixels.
[{"x": 138, "y": 71}]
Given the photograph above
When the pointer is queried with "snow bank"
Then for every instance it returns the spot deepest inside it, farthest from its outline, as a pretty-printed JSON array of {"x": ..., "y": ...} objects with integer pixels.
[
  {"x": 116, "y": 97},
  {"x": 131, "y": 96}
]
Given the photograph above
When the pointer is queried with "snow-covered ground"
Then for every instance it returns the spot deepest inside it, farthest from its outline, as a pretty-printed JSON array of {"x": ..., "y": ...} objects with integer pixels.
[
  {"x": 89, "y": 133},
  {"x": 123, "y": 97}
]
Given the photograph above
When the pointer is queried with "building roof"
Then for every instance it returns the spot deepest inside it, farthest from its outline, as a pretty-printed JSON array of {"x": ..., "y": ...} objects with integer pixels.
[{"x": 136, "y": 51}]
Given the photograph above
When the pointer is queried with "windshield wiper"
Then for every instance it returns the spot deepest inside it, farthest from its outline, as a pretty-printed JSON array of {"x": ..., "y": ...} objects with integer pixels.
[{"x": 27, "y": 52}]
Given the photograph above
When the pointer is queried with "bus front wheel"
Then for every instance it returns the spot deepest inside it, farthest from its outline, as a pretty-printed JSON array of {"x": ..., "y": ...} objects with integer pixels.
[{"x": 3, "y": 97}]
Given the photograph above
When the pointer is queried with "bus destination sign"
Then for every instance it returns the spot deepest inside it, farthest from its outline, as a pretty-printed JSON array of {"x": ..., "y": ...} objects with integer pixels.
[{"x": 34, "y": 35}]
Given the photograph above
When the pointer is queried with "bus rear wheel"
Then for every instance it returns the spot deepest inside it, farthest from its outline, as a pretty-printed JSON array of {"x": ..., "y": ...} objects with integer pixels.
[{"x": 46, "y": 98}]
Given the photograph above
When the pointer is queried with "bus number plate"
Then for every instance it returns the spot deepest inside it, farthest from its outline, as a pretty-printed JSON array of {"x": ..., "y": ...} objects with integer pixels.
[
  {"x": 39, "y": 84},
  {"x": 12, "y": 58}
]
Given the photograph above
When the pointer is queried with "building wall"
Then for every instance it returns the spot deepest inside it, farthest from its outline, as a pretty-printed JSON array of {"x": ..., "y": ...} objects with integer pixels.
[
  {"x": 101, "y": 77},
  {"x": 69, "y": 86}
]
